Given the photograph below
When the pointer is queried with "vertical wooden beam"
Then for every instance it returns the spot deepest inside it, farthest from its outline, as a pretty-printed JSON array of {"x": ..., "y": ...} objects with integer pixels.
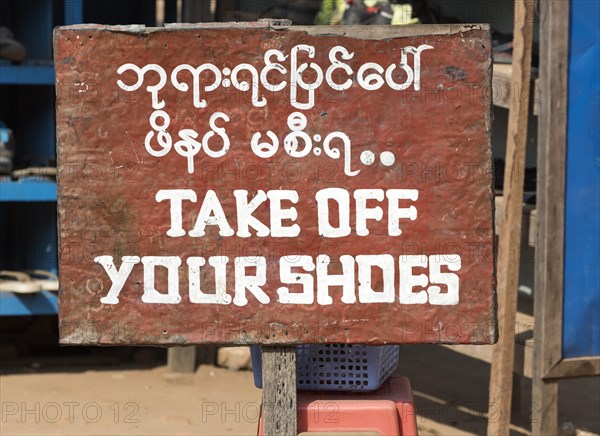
[
  {"x": 279, "y": 391},
  {"x": 510, "y": 232},
  {"x": 552, "y": 139},
  {"x": 544, "y": 405},
  {"x": 182, "y": 359}
]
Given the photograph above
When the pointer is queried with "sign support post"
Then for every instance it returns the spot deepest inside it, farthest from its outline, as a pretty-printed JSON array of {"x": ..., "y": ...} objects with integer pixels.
[
  {"x": 279, "y": 390},
  {"x": 181, "y": 359}
]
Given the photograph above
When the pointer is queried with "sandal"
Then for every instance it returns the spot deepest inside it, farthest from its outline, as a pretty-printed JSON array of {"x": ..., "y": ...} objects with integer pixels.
[
  {"x": 45, "y": 279},
  {"x": 18, "y": 282},
  {"x": 42, "y": 172}
]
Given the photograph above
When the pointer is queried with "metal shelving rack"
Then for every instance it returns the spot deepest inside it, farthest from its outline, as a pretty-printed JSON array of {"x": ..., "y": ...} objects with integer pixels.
[
  {"x": 28, "y": 234},
  {"x": 28, "y": 237}
]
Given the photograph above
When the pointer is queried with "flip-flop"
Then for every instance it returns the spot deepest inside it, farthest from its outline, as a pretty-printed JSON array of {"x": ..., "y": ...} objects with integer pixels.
[
  {"x": 45, "y": 279},
  {"x": 18, "y": 282},
  {"x": 46, "y": 172}
]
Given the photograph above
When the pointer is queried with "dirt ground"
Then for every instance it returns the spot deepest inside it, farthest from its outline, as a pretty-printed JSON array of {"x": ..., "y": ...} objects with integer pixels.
[
  {"x": 213, "y": 401},
  {"x": 47, "y": 390},
  {"x": 450, "y": 392}
]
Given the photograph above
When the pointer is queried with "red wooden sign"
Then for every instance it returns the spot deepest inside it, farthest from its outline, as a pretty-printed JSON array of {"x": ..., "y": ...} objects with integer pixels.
[{"x": 257, "y": 184}]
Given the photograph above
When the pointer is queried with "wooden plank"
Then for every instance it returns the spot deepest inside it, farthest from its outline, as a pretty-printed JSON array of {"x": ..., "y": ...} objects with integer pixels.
[
  {"x": 532, "y": 236},
  {"x": 551, "y": 181},
  {"x": 279, "y": 390},
  {"x": 503, "y": 88},
  {"x": 537, "y": 97},
  {"x": 552, "y": 132},
  {"x": 528, "y": 226},
  {"x": 524, "y": 344},
  {"x": 575, "y": 367},
  {"x": 544, "y": 407},
  {"x": 510, "y": 235},
  {"x": 502, "y": 85},
  {"x": 182, "y": 359}
]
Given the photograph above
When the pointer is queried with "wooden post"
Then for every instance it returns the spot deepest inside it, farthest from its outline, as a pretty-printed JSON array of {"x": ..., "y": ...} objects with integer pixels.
[
  {"x": 182, "y": 359},
  {"x": 510, "y": 232},
  {"x": 552, "y": 149},
  {"x": 279, "y": 391}
]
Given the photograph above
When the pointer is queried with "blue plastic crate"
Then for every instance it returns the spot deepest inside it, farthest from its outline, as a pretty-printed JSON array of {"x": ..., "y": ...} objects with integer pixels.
[{"x": 337, "y": 367}]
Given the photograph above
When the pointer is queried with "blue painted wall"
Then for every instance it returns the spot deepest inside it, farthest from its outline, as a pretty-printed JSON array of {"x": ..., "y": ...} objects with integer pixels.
[{"x": 581, "y": 310}]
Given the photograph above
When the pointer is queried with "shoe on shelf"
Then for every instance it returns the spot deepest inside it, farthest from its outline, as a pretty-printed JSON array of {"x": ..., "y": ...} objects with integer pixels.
[
  {"x": 10, "y": 48},
  {"x": 6, "y": 150},
  {"x": 45, "y": 279},
  {"x": 46, "y": 173},
  {"x": 18, "y": 282}
]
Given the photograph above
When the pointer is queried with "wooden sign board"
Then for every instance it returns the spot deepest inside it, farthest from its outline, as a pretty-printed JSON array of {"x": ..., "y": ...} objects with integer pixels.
[{"x": 258, "y": 183}]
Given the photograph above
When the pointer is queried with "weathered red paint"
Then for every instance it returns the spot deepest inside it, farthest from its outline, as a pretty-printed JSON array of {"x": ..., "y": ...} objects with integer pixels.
[{"x": 440, "y": 136}]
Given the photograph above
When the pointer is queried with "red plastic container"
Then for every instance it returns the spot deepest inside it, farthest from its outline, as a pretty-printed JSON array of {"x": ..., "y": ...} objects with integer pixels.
[{"x": 387, "y": 411}]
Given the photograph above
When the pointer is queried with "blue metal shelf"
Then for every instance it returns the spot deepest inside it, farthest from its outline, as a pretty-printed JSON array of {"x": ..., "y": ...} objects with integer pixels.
[
  {"x": 28, "y": 190},
  {"x": 28, "y": 206},
  {"x": 40, "y": 303},
  {"x": 27, "y": 74},
  {"x": 27, "y": 209}
]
